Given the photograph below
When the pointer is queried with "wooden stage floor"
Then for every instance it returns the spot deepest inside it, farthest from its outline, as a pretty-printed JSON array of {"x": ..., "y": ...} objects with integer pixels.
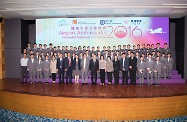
[{"x": 94, "y": 91}]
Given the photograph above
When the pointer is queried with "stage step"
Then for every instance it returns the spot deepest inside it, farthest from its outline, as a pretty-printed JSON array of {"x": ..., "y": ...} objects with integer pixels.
[
  {"x": 174, "y": 72},
  {"x": 168, "y": 81},
  {"x": 172, "y": 80},
  {"x": 178, "y": 76}
]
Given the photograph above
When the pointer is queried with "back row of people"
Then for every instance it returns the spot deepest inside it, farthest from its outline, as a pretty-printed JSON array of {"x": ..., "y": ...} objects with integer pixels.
[{"x": 144, "y": 49}]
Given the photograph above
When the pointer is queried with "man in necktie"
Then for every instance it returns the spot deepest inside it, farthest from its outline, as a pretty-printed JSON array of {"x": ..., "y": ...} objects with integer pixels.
[
  {"x": 169, "y": 65},
  {"x": 166, "y": 49},
  {"x": 132, "y": 68},
  {"x": 157, "y": 71},
  {"x": 141, "y": 70},
  {"x": 149, "y": 69},
  {"x": 60, "y": 67},
  {"x": 163, "y": 61},
  {"x": 124, "y": 64},
  {"x": 68, "y": 68},
  {"x": 94, "y": 67},
  {"x": 31, "y": 67},
  {"x": 85, "y": 69}
]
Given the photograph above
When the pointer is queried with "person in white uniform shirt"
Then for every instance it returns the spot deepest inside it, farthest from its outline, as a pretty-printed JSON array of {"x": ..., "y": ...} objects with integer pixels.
[{"x": 24, "y": 72}]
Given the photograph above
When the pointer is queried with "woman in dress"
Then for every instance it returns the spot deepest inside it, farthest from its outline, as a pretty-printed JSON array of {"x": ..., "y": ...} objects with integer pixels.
[
  {"x": 76, "y": 68},
  {"x": 102, "y": 68},
  {"x": 116, "y": 65},
  {"x": 53, "y": 68}
]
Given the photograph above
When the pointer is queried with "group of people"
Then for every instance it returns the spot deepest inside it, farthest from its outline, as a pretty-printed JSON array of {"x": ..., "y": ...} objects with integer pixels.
[{"x": 145, "y": 62}]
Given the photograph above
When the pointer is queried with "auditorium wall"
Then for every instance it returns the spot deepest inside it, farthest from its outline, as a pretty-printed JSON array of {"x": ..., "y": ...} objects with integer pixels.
[
  {"x": 15, "y": 42},
  {"x": 12, "y": 48},
  {"x": 185, "y": 50},
  {"x": 172, "y": 43},
  {"x": 16, "y": 37},
  {"x": 179, "y": 44},
  {"x": 32, "y": 33}
]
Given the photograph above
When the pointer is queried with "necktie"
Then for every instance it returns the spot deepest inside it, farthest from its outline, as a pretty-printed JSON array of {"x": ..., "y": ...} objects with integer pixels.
[{"x": 69, "y": 61}]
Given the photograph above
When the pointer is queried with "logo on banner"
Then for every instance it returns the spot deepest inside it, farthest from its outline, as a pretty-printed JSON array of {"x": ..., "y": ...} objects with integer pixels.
[
  {"x": 62, "y": 23},
  {"x": 74, "y": 21},
  {"x": 156, "y": 31},
  {"x": 103, "y": 22},
  {"x": 81, "y": 22},
  {"x": 136, "y": 22}
]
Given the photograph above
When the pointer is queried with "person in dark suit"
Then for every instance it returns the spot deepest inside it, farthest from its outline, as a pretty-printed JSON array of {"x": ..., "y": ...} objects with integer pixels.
[
  {"x": 132, "y": 68},
  {"x": 124, "y": 64},
  {"x": 60, "y": 67},
  {"x": 116, "y": 65},
  {"x": 68, "y": 68},
  {"x": 76, "y": 66},
  {"x": 94, "y": 67}
]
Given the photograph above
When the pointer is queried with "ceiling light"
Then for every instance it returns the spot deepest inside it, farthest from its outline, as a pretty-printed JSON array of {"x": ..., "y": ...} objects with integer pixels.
[
  {"x": 180, "y": 7},
  {"x": 174, "y": 4}
]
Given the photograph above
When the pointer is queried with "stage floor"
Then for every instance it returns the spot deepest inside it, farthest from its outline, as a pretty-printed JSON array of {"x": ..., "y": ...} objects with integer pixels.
[{"x": 94, "y": 91}]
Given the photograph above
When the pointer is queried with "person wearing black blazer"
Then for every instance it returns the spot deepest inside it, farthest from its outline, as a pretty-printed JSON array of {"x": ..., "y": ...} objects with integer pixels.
[
  {"x": 124, "y": 64},
  {"x": 76, "y": 66},
  {"x": 116, "y": 65},
  {"x": 132, "y": 68},
  {"x": 68, "y": 68},
  {"x": 60, "y": 67},
  {"x": 94, "y": 67}
]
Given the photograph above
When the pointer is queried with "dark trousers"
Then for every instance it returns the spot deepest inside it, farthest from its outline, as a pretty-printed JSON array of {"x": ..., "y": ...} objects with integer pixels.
[
  {"x": 24, "y": 73},
  {"x": 132, "y": 76},
  {"x": 61, "y": 75},
  {"x": 102, "y": 75},
  {"x": 125, "y": 77},
  {"x": 116, "y": 77},
  {"x": 94, "y": 76},
  {"x": 109, "y": 76},
  {"x": 54, "y": 76},
  {"x": 69, "y": 75}
]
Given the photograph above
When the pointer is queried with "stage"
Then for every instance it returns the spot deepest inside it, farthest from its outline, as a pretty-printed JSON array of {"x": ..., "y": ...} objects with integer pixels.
[
  {"x": 95, "y": 91},
  {"x": 94, "y": 102}
]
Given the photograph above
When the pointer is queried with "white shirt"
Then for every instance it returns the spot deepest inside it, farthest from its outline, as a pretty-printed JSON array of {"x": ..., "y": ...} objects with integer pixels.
[
  {"x": 84, "y": 62},
  {"x": 24, "y": 61},
  {"x": 32, "y": 60},
  {"x": 123, "y": 61}
]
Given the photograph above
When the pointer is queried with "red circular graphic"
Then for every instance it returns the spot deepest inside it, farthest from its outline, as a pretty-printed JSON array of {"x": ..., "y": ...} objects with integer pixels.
[{"x": 120, "y": 31}]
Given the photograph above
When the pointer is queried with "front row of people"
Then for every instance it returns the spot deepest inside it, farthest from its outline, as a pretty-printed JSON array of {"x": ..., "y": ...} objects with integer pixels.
[{"x": 76, "y": 67}]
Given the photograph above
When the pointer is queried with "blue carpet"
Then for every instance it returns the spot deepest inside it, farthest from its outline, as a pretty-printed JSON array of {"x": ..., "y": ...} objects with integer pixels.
[{"x": 11, "y": 116}]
